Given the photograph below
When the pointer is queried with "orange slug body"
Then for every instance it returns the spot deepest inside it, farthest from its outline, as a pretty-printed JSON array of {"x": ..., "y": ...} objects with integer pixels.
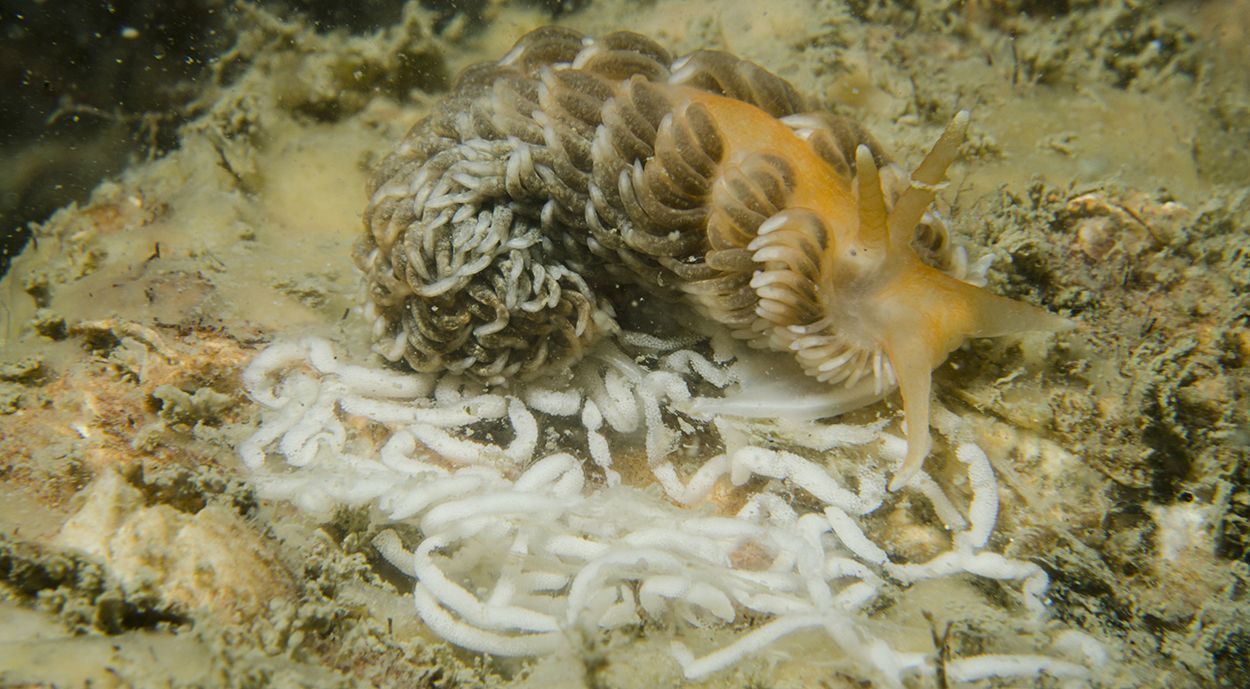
[{"x": 502, "y": 229}]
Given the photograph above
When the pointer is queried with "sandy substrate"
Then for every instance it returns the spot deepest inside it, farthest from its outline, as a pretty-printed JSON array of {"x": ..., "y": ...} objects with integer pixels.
[{"x": 1106, "y": 173}]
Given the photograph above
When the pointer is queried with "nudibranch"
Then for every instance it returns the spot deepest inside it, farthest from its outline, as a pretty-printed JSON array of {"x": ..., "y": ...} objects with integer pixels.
[{"x": 501, "y": 231}]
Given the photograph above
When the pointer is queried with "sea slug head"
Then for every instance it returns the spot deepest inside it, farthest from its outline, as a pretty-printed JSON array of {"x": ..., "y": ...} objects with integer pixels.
[{"x": 883, "y": 295}]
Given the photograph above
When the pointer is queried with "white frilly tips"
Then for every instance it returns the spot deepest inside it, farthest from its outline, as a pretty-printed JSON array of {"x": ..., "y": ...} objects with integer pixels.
[{"x": 531, "y": 532}]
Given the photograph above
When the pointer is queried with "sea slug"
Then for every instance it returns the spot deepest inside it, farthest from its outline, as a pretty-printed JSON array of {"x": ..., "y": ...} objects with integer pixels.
[{"x": 511, "y": 226}]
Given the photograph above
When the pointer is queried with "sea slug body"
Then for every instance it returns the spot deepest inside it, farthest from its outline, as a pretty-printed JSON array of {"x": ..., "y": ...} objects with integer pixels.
[{"x": 503, "y": 231}]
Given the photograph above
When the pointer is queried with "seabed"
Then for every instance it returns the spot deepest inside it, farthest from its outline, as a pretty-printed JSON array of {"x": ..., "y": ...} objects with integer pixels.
[{"x": 152, "y": 534}]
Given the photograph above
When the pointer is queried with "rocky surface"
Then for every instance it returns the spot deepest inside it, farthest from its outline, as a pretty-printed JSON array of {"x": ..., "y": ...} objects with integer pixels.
[{"x": 1102, "y": 174}]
